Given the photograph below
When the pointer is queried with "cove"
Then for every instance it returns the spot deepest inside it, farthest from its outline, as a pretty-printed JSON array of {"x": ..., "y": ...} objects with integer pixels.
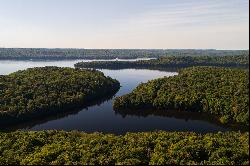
[{"x": 100, "y": 117}]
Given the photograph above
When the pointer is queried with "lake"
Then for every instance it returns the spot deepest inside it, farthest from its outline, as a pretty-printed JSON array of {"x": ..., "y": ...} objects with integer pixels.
[{"x": 102, "y": 118}]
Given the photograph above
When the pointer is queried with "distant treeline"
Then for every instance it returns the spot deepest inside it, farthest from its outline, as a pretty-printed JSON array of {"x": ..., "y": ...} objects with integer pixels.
[
  {"x": 62, "y": 54},
  {"x": 169, "y": 62}
]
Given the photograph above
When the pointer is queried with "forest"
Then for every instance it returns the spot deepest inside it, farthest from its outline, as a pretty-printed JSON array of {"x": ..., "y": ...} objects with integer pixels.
[
  {"x": 216, "y": 85},
  {"x": 36, "y": 92},
  {"x": 64, "y": 54},
  {"x": 154, "y": 148},
  {"x": 221, "y": 92},
  {"x": 171, "y": 62}
]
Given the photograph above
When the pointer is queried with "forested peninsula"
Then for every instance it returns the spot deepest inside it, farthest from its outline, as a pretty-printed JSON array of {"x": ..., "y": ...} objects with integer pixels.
[
  {"x": 154, "y": 148},
  {"x": 37, "y": 92},
  {"x": 221, "y": 92},
  {"x": 67, "y": 54},
  {"x": 171, "y": 62}
]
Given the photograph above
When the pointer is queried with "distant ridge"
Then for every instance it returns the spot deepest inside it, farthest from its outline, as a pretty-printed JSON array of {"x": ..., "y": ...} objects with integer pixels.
[{"x": 82, "y": 53}]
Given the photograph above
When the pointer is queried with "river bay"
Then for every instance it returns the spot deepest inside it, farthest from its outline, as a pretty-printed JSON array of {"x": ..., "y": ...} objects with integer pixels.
[{"x": 100, "y": 117}]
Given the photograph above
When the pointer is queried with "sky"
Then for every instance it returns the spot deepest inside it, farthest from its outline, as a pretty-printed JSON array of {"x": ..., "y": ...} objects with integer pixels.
[{"x": 143, "y": 24}]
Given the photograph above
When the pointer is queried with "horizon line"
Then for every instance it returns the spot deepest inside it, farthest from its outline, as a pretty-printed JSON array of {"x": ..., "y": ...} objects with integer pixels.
[{"x": 243, "y": 49}]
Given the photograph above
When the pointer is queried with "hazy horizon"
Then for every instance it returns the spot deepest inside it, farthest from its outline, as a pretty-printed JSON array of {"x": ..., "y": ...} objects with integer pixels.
[
  {"x": 125, "y": 24},
  {"x": 128, "y": 48}
]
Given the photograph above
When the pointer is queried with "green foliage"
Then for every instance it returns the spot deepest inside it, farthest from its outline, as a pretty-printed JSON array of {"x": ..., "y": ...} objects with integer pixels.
[
  {"x": 222, "y": 92},
  {"x": 59, "y": 54},
  {"x": 172, "y": 62},
  {"x": 155, "y": 148},
  {"x": 39, "y": 91}
]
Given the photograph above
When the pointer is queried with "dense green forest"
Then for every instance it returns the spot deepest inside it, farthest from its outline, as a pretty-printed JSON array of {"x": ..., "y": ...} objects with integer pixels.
[
  {"x": 36, "y": 92},
  {"x": 221, "y": 92},
  {"x": 172, "y": 62},
  {"x": 60, "y": 54},
  {"x": 154, "y": 148}
]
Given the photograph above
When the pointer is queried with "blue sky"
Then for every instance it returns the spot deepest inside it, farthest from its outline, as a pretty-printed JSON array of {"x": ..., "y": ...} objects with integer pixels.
[{"x": 219, "y": 24}]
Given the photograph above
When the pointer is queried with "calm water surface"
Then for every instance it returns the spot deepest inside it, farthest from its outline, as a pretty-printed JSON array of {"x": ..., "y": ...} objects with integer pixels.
[{"x": 101, "y": 117}]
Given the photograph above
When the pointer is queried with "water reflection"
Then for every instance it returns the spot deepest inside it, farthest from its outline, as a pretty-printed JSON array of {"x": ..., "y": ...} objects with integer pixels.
[
  {"x": 54, "y": 116},
  {"x": 100, "y": 117},
  {"x": 178, "y": 114}
]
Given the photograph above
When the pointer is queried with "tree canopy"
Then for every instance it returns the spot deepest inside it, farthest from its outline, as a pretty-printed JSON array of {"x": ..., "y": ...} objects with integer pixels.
[
  {"x": 154, "y": 148},
  {"x": 171, "y": 62},
  {"x": 221, "y": 92},
  {"x": 39, "y": 91},
  {"x": 64, "y": 53}
]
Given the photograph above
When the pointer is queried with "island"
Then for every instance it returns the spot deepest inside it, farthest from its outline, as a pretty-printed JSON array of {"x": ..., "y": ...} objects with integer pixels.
[
  {"x": 221, "y": 92},
  {"x": 171, "y": 63},
  {"x": 42, "y": 91}
]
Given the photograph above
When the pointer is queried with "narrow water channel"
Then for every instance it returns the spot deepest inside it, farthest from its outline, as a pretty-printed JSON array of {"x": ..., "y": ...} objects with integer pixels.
[{"x": 101, "y": 117}]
